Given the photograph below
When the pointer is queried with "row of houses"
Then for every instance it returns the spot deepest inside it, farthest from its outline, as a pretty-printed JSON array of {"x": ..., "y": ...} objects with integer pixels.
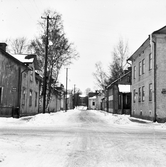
[
  {"x": 116, "y": 98},
  {"x": 21, "y": 86},
  {"x": 141, "y": 90}
]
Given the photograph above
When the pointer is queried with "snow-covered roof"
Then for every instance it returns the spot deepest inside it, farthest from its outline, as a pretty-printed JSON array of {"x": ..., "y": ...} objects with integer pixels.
[
  {"x": 23, "y": 58},
  {"x": 124, "y": 88},
  {"x": 94, "y": 97}
]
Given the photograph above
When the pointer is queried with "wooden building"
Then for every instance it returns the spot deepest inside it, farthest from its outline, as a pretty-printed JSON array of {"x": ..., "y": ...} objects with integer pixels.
[
  {"x": 19, "y": 84},
  {"x": 118, "y": 95}
]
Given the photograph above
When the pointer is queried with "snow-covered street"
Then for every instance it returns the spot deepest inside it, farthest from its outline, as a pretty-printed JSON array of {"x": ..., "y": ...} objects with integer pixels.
[{"x": 83, "y": 138}]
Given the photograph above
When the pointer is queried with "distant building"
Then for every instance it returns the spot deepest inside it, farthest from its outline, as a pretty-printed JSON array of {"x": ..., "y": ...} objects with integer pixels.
[
  {"x": 95, "y": 100},
  {"x": 57, "y": 100},
  {"x": 92, "y": 103},
  {"x": 149, "y": 78}
]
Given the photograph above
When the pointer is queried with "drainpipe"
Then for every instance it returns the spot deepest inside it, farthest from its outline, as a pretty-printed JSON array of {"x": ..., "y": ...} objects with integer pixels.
[
  {"x": 19, "y": 90},
  {"x": 130, "y": 88},
  {"x": 155, "y": 75}
]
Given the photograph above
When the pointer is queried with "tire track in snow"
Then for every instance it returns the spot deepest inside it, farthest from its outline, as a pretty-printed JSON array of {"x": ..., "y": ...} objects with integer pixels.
[{"x": 89, "y": 151}]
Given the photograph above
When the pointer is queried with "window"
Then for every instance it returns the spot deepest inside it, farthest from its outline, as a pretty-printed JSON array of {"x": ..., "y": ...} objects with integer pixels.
[
  {"x": 139, "y": 94},
  {"x": 134, "y": 96},
  {"x": 143, "y": 93},
  {"x": 23, "y": 96},
  {"x": 93, "y": 103},
  {"x": 143, "y": 66},
  {"x": 140, "y": 68},
  {"x": 119, "y": 101},
  {"x": 30, "y": 98},
  {"x": 35, "y": 99},
  {"x": 31, "y": 76},
  {"x": 150, "y": 92},
  {"x": 150, "y": 61},
  {"x": 24, "y": 75},
  {"x": 134, "y": 72},
  {"x": 1, "y": 94}
]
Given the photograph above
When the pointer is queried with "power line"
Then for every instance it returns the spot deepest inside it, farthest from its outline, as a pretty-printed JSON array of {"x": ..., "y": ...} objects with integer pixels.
[
  {"x": 26, "y": 10},
  {"x": 36, "y": 6}
]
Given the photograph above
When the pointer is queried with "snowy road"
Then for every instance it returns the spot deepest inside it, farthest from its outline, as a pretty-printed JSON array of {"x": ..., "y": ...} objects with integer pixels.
[{"x": 81, "y": 138}]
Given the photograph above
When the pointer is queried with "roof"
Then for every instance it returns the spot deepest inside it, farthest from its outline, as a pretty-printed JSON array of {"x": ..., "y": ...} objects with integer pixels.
[
  {"x": 27, "y": 59},
  {"x": 10, "y": 56},
  {"x": 124, "y": 88},
  {"x": 118, "y": 79},
  {"x": 146, "y": 43},
  {"x": 160, "y": 31},
  {"x": 140, "y": 49},
  {"x": 91, "y": 98},
  {"x": 24, "y": 58}
]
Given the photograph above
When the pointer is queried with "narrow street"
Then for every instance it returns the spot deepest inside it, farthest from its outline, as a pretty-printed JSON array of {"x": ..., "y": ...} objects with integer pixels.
[{"x": 85, "y": 140}]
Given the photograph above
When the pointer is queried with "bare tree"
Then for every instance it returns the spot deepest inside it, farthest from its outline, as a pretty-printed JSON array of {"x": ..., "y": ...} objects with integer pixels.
[
  {"x": 60, "y": 53},
  {"x": 119, "y": 54},
  {"x": 18, "y": 45},
  {"x": 87, "y": 91},
  {"x": 100, "y": 76}
]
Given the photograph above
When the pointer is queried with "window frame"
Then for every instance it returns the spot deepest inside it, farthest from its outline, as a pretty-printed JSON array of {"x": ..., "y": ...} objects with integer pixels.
[
  {"x": 1, "y": 94},
  {"x": 140, "y": 68},
  {"x": 150, "y": 92},
  {"x": 36, "y": 99},
  {"x": 139, "y": 94},
  {"x": 30, "y": 97},
  {"x": 134, "y": 70},
  {"x": 23, "y": 96},
  {"x": 143, "y": 66},
  {"x": 143, "y": 93},
  {"x": 150, "y": 61},
  {"x": 31, "y": 76},
  {"x": 119, "y": 101},
  {"x": 134, "y": 95}
]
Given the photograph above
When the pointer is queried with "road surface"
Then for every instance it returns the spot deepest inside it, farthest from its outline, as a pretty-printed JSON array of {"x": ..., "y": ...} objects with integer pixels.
[{"x": 89, "y": 142}]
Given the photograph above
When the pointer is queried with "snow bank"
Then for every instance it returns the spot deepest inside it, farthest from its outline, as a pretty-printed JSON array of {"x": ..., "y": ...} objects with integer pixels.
[
  {"x": 60, "y": 118},
  {"x": 70, "y": 118},
  {"x": 113, "y": 119}
]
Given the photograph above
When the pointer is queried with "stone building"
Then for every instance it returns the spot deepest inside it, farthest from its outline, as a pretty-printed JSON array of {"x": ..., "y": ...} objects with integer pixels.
[{"x": 149, "y": 78}]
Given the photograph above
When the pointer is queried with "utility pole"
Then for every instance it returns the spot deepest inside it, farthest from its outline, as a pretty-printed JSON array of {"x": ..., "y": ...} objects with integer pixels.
[
  {"x": 45, "y": 66},
  {"x": 74, "y": 97},
  {"x": 66, "y": 87}
]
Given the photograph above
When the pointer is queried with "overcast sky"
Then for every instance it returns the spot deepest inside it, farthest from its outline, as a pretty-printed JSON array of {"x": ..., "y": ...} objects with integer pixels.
[{"x": 94, "y": 26}]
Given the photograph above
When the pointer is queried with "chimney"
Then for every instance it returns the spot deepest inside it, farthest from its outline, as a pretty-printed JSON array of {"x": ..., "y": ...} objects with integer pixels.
[{"x": 3, "y": 46}]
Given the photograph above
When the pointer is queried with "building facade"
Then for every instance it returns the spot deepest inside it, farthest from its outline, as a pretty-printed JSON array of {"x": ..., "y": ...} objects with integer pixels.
[
  {"x": 92, "y": 103},
  {"x": 118, "y": 96},
  {"x": 19, "y": 85},
  {"x": 95, "y": 100},
  {"x": 149, "y": 78}
]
